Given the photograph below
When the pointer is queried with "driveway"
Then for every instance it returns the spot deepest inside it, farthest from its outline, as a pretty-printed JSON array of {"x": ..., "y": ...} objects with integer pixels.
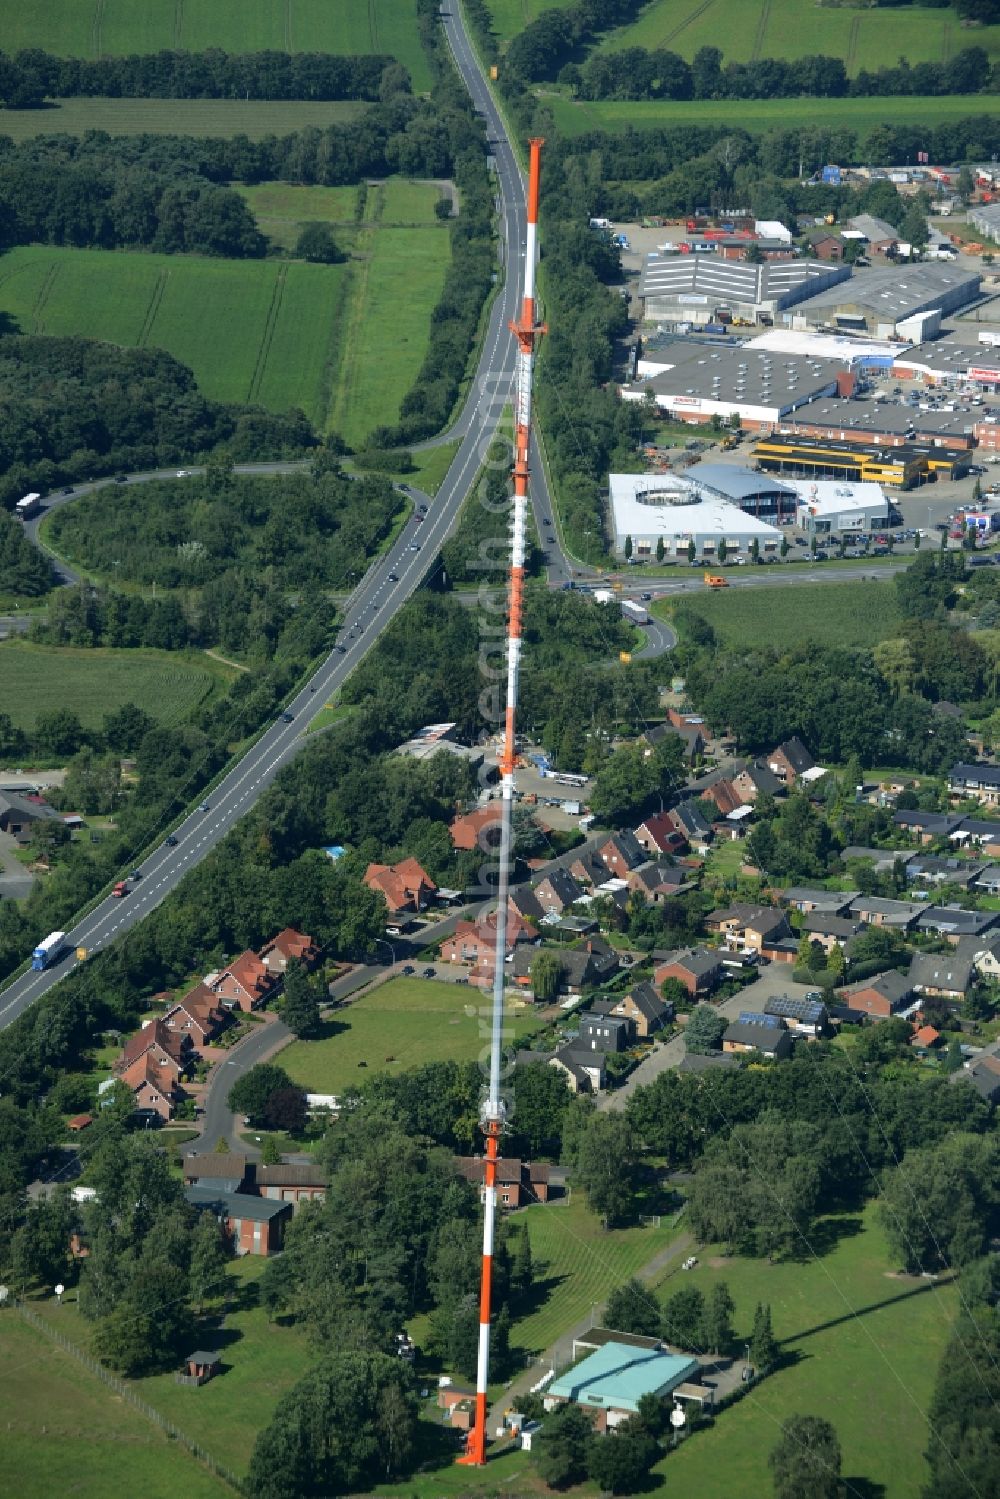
[{"x": 15, "y": 881}]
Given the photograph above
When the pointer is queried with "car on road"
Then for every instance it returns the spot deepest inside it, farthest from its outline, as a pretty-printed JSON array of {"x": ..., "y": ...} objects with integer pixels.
[
  {"x": 287, "y": 717},
  {"x": 393, "y": 577},
  {"x": 418, "y": 520},
  {"x": 136, "y": 874},
  {"x": 121, "y": 478},
  {"x": 645, "y": 597},
  {"x": 422, "y": 509},
  {"x": 171, "y": 841},
  {"x": 67, "y": 489},
  {"x": 415, "y": 546},
  {"x": 546, "y": 522},
  {"x": 203, "y": 806},
  {"x": 182, "y": 473},
  {"x": 407, "y": 968},
  {"x": 428, "y": 973},
  {"x": 341, "y": 651},
  {"x": 120, "y": 889}
]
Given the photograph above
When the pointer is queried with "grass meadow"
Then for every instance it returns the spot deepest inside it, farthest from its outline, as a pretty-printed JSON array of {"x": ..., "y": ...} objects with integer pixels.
[
  {"x": 404, "y": 1023},
  {"x": 90, "y": 683},
  {"x": 66, "y": 1433},
  {"x": 198, "y": 117},
  {"x": 849, "y": 614},
  {"x": 344, "y": 342},
  {"x": 862, "y": 1347},
  {"x": 575, "y": 117},
  {"x": 95, "y": 28}
]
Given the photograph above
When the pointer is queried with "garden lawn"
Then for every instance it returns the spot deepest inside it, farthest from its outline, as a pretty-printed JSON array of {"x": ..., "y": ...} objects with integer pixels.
[
  {"x": 574, "y": 117},
  {"x": 412, "y": 1021},
  {"x": 863, "y": 1346},
  {"x": 849, "y": 614},
  {"x": 67, "y": 1433},
  {"x": 96, "y": 28},
  {"x": 198, "y": 117},
  {"x": 38, "y": 679},
  {"x": 578, "y": 1264}
]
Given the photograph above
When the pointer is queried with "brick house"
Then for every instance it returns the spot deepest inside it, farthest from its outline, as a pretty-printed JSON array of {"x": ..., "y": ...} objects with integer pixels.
[
  {"x": 756, "y": 780},
  {"x": 518, "y": 1182},
  {"x": 657, "y": 882},
  {"x": 689, "y": 820},
  {"x": 726, "y": 796},
  {"x": 229, "y": 1172},
  {"x": 646, "y": 1011},
  {"x": 155, "y": 1086},
  {"x": 621, "y": 853},
  {"x": 826, "y": 246},
  {"x": 244, "y": 985},
  {"x": 747, "y": 928},
  {"x": 476, "y": 830},
  {"x": 954, "y": 924},
  {"x": 941, "y": 975},
  {"x": 699, "y": 970},
  {"x": 658, "y": 835},
  {"x": 830, "y": 931},
  {"x": 790, "y": 761},
  {"x": 557, "y": 890},
  {"x": 880, "y": 997},
  {"x": 405, "y": 886},
  {"x": 876, "y": 911},
  {"x": 926, "y": 826},
  {"x": 772, "y": 1041},
  {"x": 473, "y": 944},
  {"x": 983, "y": 834},
  {"x": 588, "y": 870},
  {"x": 198, "y": 1016},
  {"x": 170, "y": 1052},
  {"x": 523, "y": 904},
  {"x": 255, "y": 1225},
  {"x": 287, "y": 947},
  {"x": 582, "y": 967},
  {"x": 294, "y": 1182}
]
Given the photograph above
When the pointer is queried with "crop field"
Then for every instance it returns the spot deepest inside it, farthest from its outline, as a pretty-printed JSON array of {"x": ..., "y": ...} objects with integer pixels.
[
  {"x": 90, "y": 683},
  {"x": 342, "y": 342},
  {"x": 851, "y": 614},
  {"x": 94, "y": 28},
  {"x": 281, "y": 209},
  {"x": 863, "y": 1347},
  {"x": 575, "y": 117},
  {"x": 404, "y": 1023},
  {"x": 748, "y": 29},
  {"x": 198, "y": 117},
  {"x": 67, "y": 1433}
]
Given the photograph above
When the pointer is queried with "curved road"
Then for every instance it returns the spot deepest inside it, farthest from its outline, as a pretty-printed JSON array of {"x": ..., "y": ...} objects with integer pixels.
[{"x": 387, "y": 585}]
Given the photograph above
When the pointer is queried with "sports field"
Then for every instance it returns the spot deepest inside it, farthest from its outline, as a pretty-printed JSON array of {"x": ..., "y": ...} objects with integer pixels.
[
  {"x": 574, "y": 117},
  {"x": 38, "y": 679},
  {"x": 197, "y": 117},
  {"x": 848, "y": 614},
  {"x": 404, "y": 1023},
  {"x": 66, "y": 1433},
  {"x": 863, "y": 1347},
  {"x": 745, "y": 30},
  {"x": 95, "y": 28},
  {"x": 342, "y": 342}
]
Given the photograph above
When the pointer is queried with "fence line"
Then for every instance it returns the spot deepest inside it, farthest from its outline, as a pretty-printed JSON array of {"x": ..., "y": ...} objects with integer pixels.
[{"x": 126, "y": 1391}]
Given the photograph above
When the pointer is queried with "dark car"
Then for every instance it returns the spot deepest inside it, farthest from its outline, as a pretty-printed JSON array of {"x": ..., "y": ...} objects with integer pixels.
[
  {"x": 121, "y": 478},
  {"x": 171, "y": 841},
  {"x": 341, "y": 651},
  {"x": 203, "y": 806},
  {"x": 418, "y": 520},
  {"x": 287, "y": 717},
  {"x": 406, "y": 968},
  {"x": 422, "y": 509},
  {"x": 136, "y": 874},
  {"x": 393, "y": 577},
  {"x": 428, "y": 973},
  {"x": 67, "y": 489},
  {"x": 646, "y": 597}
]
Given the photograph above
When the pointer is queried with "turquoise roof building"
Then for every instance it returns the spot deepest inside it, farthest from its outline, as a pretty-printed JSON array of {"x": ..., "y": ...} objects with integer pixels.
[{"x": 616, "y": 1377}]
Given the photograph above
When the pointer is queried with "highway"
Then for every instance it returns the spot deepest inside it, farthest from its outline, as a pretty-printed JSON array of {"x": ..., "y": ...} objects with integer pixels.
[{"x": 383, "y": 591}]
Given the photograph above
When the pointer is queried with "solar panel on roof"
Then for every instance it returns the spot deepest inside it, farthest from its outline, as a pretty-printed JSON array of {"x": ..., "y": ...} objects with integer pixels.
[{"x": 754, "y": 1017}]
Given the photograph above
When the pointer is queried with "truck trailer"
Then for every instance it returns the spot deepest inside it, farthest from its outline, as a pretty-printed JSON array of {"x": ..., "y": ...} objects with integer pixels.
[
  {"x": 636, "y": 614},
  {"x": 46, "y": 953},
  {"x": 29, "y": 506}
]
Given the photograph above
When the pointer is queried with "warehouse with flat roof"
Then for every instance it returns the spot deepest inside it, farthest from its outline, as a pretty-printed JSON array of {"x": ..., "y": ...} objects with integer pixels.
[
  {"x": 826, "y": 505},
  {"x": 649, "y": 508},
  {"x": 610, "y": 1382},
  {"x": 887, "y": 425},
  {"x": 757, "y": 387},
  {"x": 878, "y": 301},
  {"x": 696, "y": 288}
]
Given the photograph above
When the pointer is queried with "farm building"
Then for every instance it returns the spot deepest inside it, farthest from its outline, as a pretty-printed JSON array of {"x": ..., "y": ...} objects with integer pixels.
[
  {"x": 649, "y": 508},
  {"x": 756, "y": 387},
  {"x": 697, "y": 288},
  {"x": 610, "y": 1382}
]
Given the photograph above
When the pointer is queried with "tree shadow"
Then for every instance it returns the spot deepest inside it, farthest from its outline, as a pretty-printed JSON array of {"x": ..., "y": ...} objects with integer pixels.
[
  {"x": 862, "y": 1311},
  {"x": 537, "y": 1294},
  {"x": 825, "y": 1235},
  {"x": 9, "y": 324},
  {"x": 864, "y": 1488},
  {"x": 329, "y": 1028}
]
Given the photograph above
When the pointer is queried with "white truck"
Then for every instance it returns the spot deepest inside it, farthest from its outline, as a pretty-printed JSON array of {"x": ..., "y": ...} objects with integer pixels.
[
  {"x": 29, "y": 506},
  {"x": 991, "y": 340}
]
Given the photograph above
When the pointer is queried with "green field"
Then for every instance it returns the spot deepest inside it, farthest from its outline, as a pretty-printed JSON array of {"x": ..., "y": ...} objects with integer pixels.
[
  {"x": 833, "y": 613},
  {"x": 114, "y": 28},
  {"x": 66, "y": 1433},
  {"x": 863, "y": 1347},
  {"x": 90, "y": 683},
  {"x": 748, "y": 29},
  {"x": 410, "y": 1021},
  {"x": 344, "y": 342},
  {"x": 281, "y": 209},
  {"x": 574, "y": 117},
  {"x": 197, "y": 117}
]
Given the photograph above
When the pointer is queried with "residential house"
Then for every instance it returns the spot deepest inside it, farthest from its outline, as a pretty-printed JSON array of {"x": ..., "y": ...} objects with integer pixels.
[
  {"x": 295, "y": 1182},
  {"x": 979, "y": 780},
  {"x": 983, "y": 1072},
  {"x": 519, "y": 1183},
  {"x": 756, "y": 780},
  {"x": 155, "y": 1087},
  {"x": 255, "y": 1225},
  {"x": 474, "y": 943},
  {"x": 657, "y": 882},
  {"x": 926, "y": 826},
  {"x": 405, "y": 886},
  {"x": 659, "y": 835},
  {"x": 790, "y": 761},
  {"x": 943, "y": 976},
  {"x": 169, "y": 1051},
  {"x": 987, "y": 881},
  {"x": 244, "y": 985},
  {"x": 588, "y": 870},
  {"x": 479, "y": 829},
  {"x": 221, "y": 1172},
  {"x": 876, "y": 911},
  {"x": 523, "y": 904},
  {"x": 748, "y": 928},
  {"x": 979, "y": 833},
  {"x": 984, "y": 953},
  {"x": 699, "y": 970},
  {"x": 931, "y": 869},
  {"x": 804, "y": 1017},
  {"x": 644, "y": 1008},
  {"x": 772, "y": 1041},
  {"x": 828, "y": 902},
  {"x": 604, "y": 1032},
  {"x": 18, "y": 814},
  {"x": 583, "y": 1069},
  {"x": 198, "y": 1015},
  {"x": 830, "y": 931},
  {"x": 621, "y": 853},
  {"x": 287, "y": 947},
  {"x": 688, "y": 818},
  {"x": 693, "y": 1061},
  {"x": 825, "y": 245},
  {"x": 880, "y": 997},
  {"x": 557, "y": 890},
  {"x": 925, "y": 1037},
  {"x": 588, "y": 966},
  {"x": 883, "y": 860},
  {"x": 953, "y": 923},
  {"x": 726, "y": 796}
]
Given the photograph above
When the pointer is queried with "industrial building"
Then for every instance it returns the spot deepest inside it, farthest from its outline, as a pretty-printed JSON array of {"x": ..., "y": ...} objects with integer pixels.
[
  {"x": 759, "y": 388},
  {"x": 853, "y": 352},
  {"x": 610, "y": 1383},
  {"x": 888, "y": 426},
  {"x": 825, "y": 505},
  {"x": 650, "y": 508},
  {"x": 756, "y": 493},
  {"x": 897, "y": 467},
  {"x": 985, "y": 219},
  {"x": 889, "y": 301},
  {"x": 698, "y": 288}
]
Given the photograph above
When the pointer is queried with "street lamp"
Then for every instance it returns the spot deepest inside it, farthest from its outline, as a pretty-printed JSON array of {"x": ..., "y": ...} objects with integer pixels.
[{"x": 381, "y": 942}]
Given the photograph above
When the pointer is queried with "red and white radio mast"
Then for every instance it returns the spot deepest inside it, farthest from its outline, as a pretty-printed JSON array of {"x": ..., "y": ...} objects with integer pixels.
[{"x": 527, "y": 331}]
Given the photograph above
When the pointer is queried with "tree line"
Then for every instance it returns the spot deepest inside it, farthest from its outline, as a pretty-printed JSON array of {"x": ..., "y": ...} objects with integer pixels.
[
  {"x": 108, "y": 408},
  {"x": 23, "y": 569},
  {"x": 641, "y": 73},
  {"x": 33, "y": 75}
]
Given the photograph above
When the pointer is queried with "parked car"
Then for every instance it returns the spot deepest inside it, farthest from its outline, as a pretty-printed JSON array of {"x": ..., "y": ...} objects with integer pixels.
[
  {"x": 428, "y": 973},
  {"x": 406, "y": 968}
]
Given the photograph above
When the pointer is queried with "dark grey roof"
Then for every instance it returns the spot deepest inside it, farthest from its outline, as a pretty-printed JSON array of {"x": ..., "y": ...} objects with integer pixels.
[
  {"x": 563, "y": 884},
  {"x": 892, "y": 986},
  {"x": 692, "y": 819},
  {"x": 979, "y": 827},
  {"x": 975, "y": 775},
  {"x": 830, "y": 926},
  {"x": 699, "y": 962},
  {"x": 940, "y": 971},
  {"x": 236, "y": 1204},
  {"x": 290, "y": 1174},
  {"x": 200, "y": 1356},
  {"x": 693, "y": 1061},
  {"x": 952, "y": 920},
  {"x": 927, "y": 822},
  {"x": 629, "y": 846},
  {"x": 894, "y": 911},
  {"x": 11, "y": 802},
  {"x": 648, "y": 1002},
  {"x": 215, "y": 1167},
  {"x": 736, "y": 484},
  {"x": 833, "y": 901},
  {"x": 772, "y": 1043},
  {"x": 796, "y": 754},
  {"x": 763, "y": 777}
]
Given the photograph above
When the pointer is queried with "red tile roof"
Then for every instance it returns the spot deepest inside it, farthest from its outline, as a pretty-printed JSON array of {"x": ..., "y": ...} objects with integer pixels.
[
  {"x": 291, "y": 945},
  {"x": 402, "y": 884},
  {"x": 247, "y": 973},
  {"x": 153, "y": 1033},
  {"x": 466, "y": 829}
]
